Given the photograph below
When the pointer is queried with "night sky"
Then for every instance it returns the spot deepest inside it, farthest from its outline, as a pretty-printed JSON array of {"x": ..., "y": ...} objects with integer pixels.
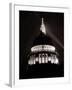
[{"x": 29, "y": 29}]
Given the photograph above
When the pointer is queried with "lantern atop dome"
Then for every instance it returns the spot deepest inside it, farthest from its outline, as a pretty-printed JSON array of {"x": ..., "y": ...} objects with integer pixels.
[{"x": 42, "y": 28}]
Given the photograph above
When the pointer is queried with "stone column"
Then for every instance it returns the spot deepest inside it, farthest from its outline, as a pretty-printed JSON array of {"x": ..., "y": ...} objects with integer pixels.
[
  {"x": 43, "y": 58},
  {"x": 39, "y": 58},
  {"x": 46, "y": 58}
]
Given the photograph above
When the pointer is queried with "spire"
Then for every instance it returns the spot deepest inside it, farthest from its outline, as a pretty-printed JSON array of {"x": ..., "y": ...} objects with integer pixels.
[{"x": 42, "y": 27}]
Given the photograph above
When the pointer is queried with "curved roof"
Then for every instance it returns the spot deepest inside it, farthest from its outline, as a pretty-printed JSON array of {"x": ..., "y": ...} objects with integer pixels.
[{"x": 42, "y": 39}]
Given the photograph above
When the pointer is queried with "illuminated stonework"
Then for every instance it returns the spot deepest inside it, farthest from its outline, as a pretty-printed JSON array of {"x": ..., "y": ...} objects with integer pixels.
[
  {"x": 43, "y": 53},
  {"x": 42, "y": 28},
  {"x": 43, "y": 48},
  {"x": 43, "y": 58}
]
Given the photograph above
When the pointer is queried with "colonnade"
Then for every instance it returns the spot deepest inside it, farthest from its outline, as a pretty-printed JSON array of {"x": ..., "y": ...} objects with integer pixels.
[{"x": 43, "y": 58}]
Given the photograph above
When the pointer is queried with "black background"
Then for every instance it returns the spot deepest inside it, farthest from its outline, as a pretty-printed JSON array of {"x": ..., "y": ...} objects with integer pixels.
[{"x": 29, "y": 29}]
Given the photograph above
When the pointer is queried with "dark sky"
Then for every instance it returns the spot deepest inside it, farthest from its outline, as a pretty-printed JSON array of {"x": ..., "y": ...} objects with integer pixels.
[{"x": 29, "y": 29}]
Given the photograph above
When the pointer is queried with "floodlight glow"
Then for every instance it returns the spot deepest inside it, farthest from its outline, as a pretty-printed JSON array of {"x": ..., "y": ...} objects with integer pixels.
[
  {"x": 39, "y": 60},
  {"x": 56, "y": 61},
  {"x": 36, "y": 59},
  {"x": 34, "y": 62},
  {"x": 52, "y": 60},
  {"x": 49, "y": 59}
]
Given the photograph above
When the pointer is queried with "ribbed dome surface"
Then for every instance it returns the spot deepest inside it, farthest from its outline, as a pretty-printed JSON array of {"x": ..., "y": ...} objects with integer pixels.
[{"x": 42, "y": 39}]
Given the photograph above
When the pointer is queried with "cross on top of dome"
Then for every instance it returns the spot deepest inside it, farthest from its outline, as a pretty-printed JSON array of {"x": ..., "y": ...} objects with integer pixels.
[{"x": 42, "y": 27}]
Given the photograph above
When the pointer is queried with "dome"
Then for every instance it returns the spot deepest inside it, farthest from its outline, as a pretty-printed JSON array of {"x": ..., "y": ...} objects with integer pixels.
[
  {"x": 43, "y": 50},
  {"x": 42, "y": 39}
]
